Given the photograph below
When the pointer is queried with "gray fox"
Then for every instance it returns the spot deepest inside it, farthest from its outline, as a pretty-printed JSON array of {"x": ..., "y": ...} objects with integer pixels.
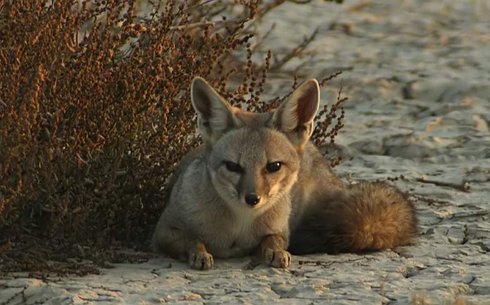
[
  {"x": 232, "y": 196},
  {"x": 258, "y": 184}
]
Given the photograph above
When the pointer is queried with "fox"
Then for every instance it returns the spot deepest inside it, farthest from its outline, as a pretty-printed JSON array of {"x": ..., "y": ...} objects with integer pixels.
[
  {"x": 231, "y": 197},
  {"x": 320, "y": 213}
]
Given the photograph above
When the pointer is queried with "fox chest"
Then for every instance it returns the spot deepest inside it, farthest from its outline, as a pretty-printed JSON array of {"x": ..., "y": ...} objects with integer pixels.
[{"x": 227, "y": 238}]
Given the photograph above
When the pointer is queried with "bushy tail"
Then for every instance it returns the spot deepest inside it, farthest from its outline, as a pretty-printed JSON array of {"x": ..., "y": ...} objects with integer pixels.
[{"x": 361, "y": 218}]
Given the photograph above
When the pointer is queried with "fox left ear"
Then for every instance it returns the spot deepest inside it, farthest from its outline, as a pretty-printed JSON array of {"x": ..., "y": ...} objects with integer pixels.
[
  {"x": 295, "y": 116},
  {"x": 215, "y": 116}
]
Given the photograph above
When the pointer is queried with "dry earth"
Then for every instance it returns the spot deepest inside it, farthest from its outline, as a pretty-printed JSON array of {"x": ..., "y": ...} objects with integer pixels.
[{"x": 418, "y": 79}]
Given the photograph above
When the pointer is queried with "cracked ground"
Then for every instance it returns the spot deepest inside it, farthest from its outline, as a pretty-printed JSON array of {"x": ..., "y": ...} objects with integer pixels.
[{"x": 417, "y": 77}]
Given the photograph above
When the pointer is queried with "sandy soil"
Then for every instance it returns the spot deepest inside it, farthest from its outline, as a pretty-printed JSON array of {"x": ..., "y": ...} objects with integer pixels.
[{"x": 418, "y": 79}]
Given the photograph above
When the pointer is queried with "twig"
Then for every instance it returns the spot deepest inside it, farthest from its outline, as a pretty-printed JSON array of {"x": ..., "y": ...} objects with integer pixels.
[
  {"x": 330, "y": 77},
  {"x": 295, "y": 51},
  {"x": 329, "y": 263},
  {"x": 300, "y": 1},
  {"x": 267, "y": 8},
  {"x": 262, "y": 39},
  {"x": 199, "y": 24},
  {"x": 429, "y": 200},
  {"x": 205, "y": 23},
  {"x": 463, "y": 186},
  {"x": 198, "y": 5}
]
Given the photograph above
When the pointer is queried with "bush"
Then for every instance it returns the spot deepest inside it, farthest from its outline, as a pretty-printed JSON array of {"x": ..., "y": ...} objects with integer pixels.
[{"x": 95, "y": 114}]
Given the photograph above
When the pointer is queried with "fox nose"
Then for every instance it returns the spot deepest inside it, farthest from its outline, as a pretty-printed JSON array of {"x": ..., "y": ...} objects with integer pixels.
[{"x": 252, "y": 199}]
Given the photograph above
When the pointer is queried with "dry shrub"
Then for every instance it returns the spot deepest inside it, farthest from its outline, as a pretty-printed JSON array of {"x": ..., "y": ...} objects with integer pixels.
[{"x": 94, "y": 115}]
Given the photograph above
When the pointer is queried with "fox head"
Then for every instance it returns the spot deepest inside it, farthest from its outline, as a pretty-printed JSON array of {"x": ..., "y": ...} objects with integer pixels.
[
  {"x": 253, "y": 157},
  {"x": 253, "y": 167},
  {"x": 293, "y": 118}
]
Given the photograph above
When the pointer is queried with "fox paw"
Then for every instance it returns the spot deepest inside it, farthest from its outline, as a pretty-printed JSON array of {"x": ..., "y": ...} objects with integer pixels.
[
  {"x": 201, "y": 260},
  {"x": 278, "y": 258}
]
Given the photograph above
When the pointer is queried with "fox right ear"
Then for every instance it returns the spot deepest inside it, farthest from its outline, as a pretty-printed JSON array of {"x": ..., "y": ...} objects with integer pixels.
[
  {"x": 215, "y": 115},
  {"x": 295, "y": 116}
]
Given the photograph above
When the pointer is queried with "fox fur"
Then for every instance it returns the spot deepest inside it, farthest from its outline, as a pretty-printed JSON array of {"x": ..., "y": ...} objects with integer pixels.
[
  {"x": 362, "y": 217},
  {"x": 324, "y": 215},
  {"x": 232, "y": 196}
]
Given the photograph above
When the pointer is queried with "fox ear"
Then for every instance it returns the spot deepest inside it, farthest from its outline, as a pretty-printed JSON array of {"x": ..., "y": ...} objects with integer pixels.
[
  {"x": 215, "y": 115},
  {"x": 295, "y": 116}
]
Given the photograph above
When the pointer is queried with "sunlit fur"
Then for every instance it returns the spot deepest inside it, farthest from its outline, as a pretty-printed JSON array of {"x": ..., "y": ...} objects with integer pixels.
[
  {"x": 323, "y": 204},
  {"x": 363, "y": 217},
  {"x": 323, "y": 213},
  {"x": 206, "y": 214},
  {"x": 206, "y": 209}
]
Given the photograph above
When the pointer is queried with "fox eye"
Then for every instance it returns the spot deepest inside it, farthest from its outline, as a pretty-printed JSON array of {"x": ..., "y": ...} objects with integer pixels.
[
  {"x": 273, "y": 167},
  {"x": 233, "y": 167}
]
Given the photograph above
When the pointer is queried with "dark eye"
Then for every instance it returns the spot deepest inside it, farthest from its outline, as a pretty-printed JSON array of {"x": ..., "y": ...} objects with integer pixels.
[
  {"x": 273, "y": 167},
  {"x": 233, "y": 167}
]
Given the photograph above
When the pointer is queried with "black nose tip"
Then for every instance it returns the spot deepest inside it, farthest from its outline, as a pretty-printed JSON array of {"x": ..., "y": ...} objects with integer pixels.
[{"x": 252, "y": 199}]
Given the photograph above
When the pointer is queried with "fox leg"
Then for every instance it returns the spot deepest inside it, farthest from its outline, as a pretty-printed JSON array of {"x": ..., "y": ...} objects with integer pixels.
[
  {"x": 199, "y": 257},
  {"x": 178, "y": 244},
  {"x": 272, "y": 251}
]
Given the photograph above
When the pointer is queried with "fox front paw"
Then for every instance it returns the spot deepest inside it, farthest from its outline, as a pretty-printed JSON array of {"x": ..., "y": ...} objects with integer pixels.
[
  {"x": 201, "y": 260},
  {"x": 278, "y": 258}
]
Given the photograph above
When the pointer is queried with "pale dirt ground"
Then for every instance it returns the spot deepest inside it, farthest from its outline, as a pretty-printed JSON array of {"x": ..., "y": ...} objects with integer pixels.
[{"x": 417, "y": 77}]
